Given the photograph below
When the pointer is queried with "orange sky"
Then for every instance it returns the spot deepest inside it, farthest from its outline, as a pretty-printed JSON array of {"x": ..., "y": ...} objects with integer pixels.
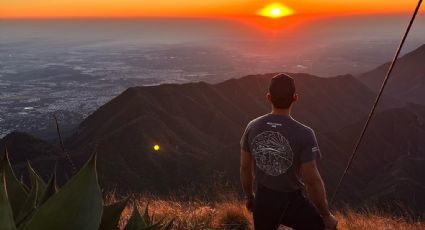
[{"x": 187, "y": 8}]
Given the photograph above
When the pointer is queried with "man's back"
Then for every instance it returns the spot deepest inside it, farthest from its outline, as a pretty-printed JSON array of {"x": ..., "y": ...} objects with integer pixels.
[
  {"x": 283, "y": 151},
  {"x": 279, "y": 145}
]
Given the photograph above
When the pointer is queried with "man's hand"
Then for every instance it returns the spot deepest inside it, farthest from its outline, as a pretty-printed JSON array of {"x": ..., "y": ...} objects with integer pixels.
[
  {"x": 330, "y": 222},
  {"x": 249, "y": 203}
]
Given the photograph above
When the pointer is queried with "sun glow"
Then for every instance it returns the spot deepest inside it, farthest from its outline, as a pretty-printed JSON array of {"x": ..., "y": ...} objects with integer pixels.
[{"x": 276, "y": 10}]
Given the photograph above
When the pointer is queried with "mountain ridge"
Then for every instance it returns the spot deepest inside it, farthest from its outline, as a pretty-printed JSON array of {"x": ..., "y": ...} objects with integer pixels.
[
  {"x": 407, "y": 81},
  {"x": 201, "y": 122}
]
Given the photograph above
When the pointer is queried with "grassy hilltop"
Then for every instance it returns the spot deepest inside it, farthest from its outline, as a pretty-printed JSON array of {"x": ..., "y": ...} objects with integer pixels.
[{"x": 231, "y": 214}]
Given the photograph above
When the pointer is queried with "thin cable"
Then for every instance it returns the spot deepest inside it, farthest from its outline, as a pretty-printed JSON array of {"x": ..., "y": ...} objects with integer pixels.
[{"x": 384, "y": 83}]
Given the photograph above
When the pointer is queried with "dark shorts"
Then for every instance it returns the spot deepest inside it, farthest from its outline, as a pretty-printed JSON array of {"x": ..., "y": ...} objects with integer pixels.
[{"x": 292, "y": 209}]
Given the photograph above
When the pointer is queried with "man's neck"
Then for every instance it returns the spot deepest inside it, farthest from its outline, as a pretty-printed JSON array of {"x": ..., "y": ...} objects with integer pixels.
[{"x": 285, "y": 112}]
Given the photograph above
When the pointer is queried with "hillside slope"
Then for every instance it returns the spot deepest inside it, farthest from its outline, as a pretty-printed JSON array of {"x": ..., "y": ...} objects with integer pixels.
[
  {"x": 198, "y": 126},
  {"x": 43, "y": 156},
  {"x": 388, "y": 167},
  {"x": 407, "y": 81}
]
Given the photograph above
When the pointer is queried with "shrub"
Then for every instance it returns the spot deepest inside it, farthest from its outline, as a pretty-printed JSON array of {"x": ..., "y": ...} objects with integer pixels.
[{"x": 233, "y": 216}]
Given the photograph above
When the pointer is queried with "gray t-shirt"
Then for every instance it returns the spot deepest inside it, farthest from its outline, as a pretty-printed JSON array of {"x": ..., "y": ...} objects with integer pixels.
[{"x": 279, "y": 145}]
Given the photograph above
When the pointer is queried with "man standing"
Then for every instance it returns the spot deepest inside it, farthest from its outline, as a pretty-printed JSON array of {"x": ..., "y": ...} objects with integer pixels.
[{"x": 281, "y": 153}]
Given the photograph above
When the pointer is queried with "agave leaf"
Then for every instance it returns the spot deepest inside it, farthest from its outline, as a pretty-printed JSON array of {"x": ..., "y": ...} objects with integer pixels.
[
  {"x": 136, "y": 221},
  {"x": 29, "y": 205},
  {"x": 77, "y": 205},
  {"x": 49, "y": 191},
  {"x": 15, "y": 189},
  {"x": 21, "y": 180},
  {"x": 146, "y": 218},
  {"x": 41, "y": 185},
  {"x": 145, "y": 222},
  {"x": 37, "y": 188},
  {"x": 112, "y": 214},
  {"x": 6, "y": 213}
]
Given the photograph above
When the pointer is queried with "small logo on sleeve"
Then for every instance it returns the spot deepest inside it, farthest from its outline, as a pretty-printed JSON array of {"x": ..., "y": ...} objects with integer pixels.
[{"x": 315, "y": 149}]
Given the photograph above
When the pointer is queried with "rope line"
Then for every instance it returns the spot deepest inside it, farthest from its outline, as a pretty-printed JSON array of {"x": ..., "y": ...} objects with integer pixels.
[{"x": 384, "y": 83}]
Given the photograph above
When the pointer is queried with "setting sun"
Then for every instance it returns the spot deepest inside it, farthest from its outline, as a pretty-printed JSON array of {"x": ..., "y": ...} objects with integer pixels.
[{"x": 275, "y": 10}]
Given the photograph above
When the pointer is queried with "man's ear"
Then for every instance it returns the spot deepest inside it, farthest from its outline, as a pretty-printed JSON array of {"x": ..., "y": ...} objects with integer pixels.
[
  {"x": 269, "y": 97},
  {"x": 296, "y": 97}
]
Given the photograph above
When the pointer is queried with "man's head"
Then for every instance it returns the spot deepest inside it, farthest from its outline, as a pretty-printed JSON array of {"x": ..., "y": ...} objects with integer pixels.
[{"x": 282, "y": 91}]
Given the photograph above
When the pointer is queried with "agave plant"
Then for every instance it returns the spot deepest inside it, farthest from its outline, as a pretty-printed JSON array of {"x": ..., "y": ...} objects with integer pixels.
[{"x": 78, "y": 205}]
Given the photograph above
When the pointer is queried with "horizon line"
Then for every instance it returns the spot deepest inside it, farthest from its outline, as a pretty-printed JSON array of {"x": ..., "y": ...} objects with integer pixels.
[{"x": 118, "y": 17}]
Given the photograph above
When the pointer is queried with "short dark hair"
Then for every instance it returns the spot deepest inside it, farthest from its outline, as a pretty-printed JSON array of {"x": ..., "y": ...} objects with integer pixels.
[{"x": 282, "y": 90}]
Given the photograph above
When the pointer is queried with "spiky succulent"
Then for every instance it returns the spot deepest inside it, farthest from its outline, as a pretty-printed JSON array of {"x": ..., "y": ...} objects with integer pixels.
[{"x": 78, "y": 205}]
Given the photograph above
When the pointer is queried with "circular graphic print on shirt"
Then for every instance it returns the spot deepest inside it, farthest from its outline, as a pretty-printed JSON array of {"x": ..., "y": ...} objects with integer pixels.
[{"x": 272, "y": 153}]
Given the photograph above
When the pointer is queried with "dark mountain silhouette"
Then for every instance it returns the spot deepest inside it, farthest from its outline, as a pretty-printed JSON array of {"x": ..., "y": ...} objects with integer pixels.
[
  {"x": 197, "y": 124},
  {"x": 43, "y": 156},
  {"x": 33, "y": 149},
  {"x": 407, "y": 82},
  {"x": 204, "y": 106},
  {"x": 387, "y": 168}
]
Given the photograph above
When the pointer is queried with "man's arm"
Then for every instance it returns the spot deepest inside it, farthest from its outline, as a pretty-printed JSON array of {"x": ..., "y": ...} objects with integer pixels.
[
  {"x": 246, "y": 177},
  {"x": 316, "y": 192},
  {"x": 315, "y": 187}
]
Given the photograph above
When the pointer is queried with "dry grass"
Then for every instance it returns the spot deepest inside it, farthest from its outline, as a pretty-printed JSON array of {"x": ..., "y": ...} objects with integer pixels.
[
  {"x": 360, "y": 221},
  {"x": 231, "y": 214}
]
